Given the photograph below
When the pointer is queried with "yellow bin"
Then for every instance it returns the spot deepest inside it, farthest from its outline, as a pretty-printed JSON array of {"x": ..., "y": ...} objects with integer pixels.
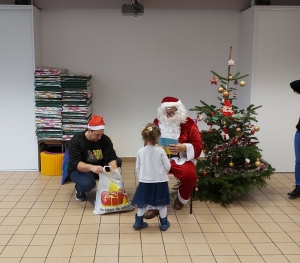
[{"x": 51, "y": 163}]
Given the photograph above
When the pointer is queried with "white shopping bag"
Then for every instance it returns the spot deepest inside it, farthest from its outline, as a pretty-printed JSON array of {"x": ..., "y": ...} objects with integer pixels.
[{"x": 111, "y": 195}]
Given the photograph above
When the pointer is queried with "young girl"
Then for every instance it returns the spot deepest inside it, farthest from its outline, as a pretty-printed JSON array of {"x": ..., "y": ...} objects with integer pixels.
[{"x": 152, "y": 166}]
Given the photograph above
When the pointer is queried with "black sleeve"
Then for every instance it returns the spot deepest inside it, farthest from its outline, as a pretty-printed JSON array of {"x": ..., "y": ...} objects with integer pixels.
[
  {"x": 298, "y": 125},
  {"x": 75, "y": 153},
  {"x": 109, "y": 153}
]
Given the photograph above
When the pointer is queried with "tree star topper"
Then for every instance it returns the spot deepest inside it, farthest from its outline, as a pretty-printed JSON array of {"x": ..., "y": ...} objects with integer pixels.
[{"x": 230, "y": 62}]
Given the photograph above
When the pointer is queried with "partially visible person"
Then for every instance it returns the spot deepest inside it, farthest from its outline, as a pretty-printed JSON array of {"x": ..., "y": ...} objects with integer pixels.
[
  {"x": 152, "y": 166},
  {"x": 89, "y": 152},
  {"x": 173, "y": 121},
  {"x": 295, "y": 85}
]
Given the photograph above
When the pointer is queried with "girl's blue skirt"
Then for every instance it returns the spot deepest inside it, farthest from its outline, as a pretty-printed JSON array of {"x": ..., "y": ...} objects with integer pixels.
[{"x": 151, "y": 194}]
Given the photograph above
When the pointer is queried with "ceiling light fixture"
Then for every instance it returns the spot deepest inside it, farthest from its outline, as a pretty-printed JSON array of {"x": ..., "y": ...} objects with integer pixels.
[{"x": 135, "y": 8}]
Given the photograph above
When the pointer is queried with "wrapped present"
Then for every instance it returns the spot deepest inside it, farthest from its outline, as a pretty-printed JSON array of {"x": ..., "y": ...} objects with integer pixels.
[
  {"x": 114, "y": 198},
  {"x": 109, "y": 198}
]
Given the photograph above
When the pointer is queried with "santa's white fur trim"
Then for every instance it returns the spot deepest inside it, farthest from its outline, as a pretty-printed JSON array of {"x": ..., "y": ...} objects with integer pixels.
[
  {"x": 171, "y": 104},
  {"x": 180, "y": 198},
  {"x": 190, "y": 153}
]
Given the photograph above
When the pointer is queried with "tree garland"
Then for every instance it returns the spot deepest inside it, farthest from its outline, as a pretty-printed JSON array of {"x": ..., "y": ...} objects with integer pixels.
[{"x": 225, "y": 146}]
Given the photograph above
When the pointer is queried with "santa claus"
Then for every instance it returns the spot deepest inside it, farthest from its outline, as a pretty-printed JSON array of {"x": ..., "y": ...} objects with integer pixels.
[
  {"x": 227, "y": 108},
  {"x": 173, "y": 121}
]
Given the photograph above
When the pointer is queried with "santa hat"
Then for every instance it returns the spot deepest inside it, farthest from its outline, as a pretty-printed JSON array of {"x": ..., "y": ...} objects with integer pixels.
[
  {"x": 168, "y": 102},
  {"x": 96, "y": 123},
  {"x": 295, "y": 85},
  {"x": 227, "y": 103}
]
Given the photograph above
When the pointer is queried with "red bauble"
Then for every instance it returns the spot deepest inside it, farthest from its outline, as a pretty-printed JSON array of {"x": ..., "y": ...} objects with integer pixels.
[
  {"x": 235, "y": 140},
  {"x": 204, "y": 173},
  {"x": 252, "y": 131}
]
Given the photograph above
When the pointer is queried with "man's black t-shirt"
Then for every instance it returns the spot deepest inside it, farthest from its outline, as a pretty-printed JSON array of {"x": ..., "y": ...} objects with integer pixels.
[
  {"x": 82, "y": 150},
  {"x": 298, "y": 125}
]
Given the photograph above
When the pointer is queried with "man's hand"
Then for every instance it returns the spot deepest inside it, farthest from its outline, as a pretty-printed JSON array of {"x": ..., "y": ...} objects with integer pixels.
[
  {"x": 177, "y": 148},
  {"x": 96, "y": 169}
]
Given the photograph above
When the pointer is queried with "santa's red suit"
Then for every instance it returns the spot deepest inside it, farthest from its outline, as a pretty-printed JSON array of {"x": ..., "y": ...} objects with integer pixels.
[{"x": 183, "y": 167}]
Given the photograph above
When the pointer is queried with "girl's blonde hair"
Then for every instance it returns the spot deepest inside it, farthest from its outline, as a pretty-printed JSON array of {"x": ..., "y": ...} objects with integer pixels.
[{"x": 150, "y": 133}]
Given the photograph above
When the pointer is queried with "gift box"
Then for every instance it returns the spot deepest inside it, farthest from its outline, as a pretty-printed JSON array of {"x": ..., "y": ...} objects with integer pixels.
[
  {"x": 114, "y": 198},
  {"x": 109, "y": 198}
]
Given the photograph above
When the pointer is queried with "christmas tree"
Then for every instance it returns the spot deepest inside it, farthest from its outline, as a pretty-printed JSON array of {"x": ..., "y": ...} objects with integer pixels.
[{"x": 233, "y": 164}]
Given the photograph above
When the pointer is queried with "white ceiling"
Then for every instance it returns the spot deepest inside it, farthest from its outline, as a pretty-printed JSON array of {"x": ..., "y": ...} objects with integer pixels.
[{"x": 152, "y": 4}]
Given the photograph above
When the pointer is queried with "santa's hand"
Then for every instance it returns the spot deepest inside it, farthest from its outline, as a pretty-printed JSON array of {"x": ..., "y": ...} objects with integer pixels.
[{"x": 177, "y": 148}]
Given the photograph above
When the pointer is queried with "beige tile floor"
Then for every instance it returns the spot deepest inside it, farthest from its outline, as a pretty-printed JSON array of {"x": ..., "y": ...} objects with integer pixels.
[{"x": 40, "y": 222}]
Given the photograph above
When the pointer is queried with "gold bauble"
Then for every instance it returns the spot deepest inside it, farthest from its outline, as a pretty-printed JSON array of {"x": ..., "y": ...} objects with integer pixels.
[
  {"x": 226, "y": 93},
  {"x": 217, "y": 175},
  {"x": 231, "y": 164},
  {"x": 220, "y": 89},
  {"x": 238, "y": 129},
  {"x": 205, "y": 151},
  {"x": 242, "y": 83},
  {"x": 256, "y": 128},
  {"x": 230, "y": 77},
  {"x": 257, "y": 163}
]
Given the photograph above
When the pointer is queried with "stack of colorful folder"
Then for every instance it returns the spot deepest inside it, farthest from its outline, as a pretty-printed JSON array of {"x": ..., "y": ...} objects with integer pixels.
[
  {"x": 76, "y": 103},
  {"x": 48, "y": 103}
]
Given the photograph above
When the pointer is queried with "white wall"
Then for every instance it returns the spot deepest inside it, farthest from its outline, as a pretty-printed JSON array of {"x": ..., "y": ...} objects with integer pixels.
[
  {"x": 245, "y": 51},
  {"x": 136, "y": 61},
  {"x": 37, "y": 27},
  {"x": 17, "y": 134},
  {"x": 276, "y": 63}
]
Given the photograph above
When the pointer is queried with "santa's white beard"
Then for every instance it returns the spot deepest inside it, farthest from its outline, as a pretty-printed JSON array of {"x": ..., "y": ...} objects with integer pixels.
[{"x": 170, "y": 127}]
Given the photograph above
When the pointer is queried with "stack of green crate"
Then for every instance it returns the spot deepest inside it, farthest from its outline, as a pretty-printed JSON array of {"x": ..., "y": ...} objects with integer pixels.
[
  {"x": 48, "y": 104},
  {"x": 76, "y": 103}
]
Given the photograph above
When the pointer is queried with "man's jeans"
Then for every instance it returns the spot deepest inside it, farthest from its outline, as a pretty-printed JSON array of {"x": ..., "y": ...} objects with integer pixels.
[
  {"x": 86, "y": 181},
  {"x": 297, "y": 154}
]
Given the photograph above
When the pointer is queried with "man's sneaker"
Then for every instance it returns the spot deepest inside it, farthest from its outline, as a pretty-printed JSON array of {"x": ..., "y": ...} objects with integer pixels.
[{"x": 80, "y": 196}]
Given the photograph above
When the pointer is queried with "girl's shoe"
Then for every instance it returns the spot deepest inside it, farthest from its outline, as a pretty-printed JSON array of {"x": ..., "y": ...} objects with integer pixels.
[
  {"x": 164, "y": 224},
  {"x": 296, "y": 192},
  {"x": 139, "y": 223}
]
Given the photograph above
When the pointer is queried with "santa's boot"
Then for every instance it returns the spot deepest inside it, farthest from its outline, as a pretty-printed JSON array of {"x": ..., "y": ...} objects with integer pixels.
[
  {"x": 139, "y": 223},
  {"x": 164, "y": 224}
]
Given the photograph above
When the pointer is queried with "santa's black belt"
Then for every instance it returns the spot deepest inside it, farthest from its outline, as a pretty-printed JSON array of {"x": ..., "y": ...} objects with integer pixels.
[{"x": 173, "y": 155}]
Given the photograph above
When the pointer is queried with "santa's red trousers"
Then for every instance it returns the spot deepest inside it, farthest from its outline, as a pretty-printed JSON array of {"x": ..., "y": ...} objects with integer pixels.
[{"x": 186, "y": 174}]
